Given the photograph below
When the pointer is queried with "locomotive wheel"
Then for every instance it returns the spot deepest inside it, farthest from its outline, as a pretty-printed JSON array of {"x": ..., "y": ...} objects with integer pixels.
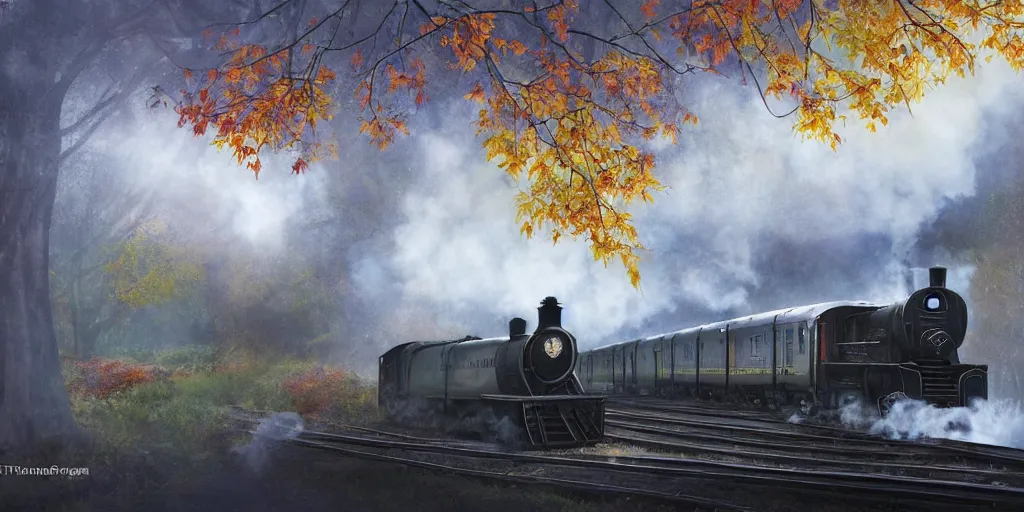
[{"x": 886, "y": 403}]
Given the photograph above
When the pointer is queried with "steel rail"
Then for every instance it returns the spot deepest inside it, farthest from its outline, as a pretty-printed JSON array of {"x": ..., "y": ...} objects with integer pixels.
[
  {"x": 909, "y": 487},
  {"x": 812, "y": 461},
  {"x": 560, "y": 482},
  {"x": 624, "y": 405},
  {"x": 989, "y": 453}
]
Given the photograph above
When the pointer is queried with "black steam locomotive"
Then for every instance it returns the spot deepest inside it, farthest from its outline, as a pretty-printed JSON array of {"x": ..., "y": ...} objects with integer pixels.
[
  {"x": 821, "y": 354},
  {"x": 520, "y": 388}
]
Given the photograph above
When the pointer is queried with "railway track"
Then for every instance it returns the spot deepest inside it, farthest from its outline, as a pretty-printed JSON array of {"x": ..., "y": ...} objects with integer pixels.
[
  {"x": 754, "y": 435},
  {"x": 456, "y": 456},
  {"x": 808, "y": 459},
  {"x": 777, "y": 420},
  {"x": 722, "y": 485},
  {"x": 650, "y": 475}
]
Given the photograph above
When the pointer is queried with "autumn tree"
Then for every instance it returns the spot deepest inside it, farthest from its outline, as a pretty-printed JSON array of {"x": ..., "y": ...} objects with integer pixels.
[
  {"x": 46, "y": 48},
  {"x": 568, "y": 95}
]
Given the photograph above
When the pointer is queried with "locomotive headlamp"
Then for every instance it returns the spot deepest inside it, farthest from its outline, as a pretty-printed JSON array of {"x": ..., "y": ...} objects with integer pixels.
[{"x": 553, "y": 346}]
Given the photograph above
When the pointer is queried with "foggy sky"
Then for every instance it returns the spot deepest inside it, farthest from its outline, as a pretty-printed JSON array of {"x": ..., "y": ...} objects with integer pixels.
[{"x": 754, "y": 219}]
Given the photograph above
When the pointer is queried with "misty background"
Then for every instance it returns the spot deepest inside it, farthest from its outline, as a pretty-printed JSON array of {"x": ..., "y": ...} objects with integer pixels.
[{"x": 419, "y": 242}]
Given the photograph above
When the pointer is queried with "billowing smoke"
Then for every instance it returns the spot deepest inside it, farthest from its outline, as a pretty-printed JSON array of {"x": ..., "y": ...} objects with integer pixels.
[
  {"x": 278, "y": 427},
  {"x": 994, "y": 422},
  {"x": 754, "y": 219}
]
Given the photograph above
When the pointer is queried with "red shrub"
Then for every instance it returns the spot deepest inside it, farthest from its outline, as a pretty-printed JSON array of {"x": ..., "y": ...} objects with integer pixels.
[
  {"x": 104, "y": 377},
  {"x": 315, "y": 391}
]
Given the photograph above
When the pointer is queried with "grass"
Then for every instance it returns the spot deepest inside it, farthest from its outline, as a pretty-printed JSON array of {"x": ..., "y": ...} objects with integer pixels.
[
  {"x": 163, "y": 422},
  {"x": 186, "y": 406},
  {"x": 161, "y": 429}
]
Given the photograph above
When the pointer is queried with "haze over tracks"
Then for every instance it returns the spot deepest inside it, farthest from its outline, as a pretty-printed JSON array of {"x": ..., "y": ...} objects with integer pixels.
[{"x": 695, "y": 482}]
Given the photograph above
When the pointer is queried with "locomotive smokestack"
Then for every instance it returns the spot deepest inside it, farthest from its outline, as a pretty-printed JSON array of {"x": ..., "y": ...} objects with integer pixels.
[
  {"x": 937, "y": 277},
  {"x": 516, "y": 327},
  {"x": 549, "y": 314}
]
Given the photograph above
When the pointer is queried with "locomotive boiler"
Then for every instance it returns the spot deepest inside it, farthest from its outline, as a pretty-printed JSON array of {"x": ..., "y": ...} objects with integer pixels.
[
  {"x": 523, "y": 381},
  {"x": 821, "y": 354}
]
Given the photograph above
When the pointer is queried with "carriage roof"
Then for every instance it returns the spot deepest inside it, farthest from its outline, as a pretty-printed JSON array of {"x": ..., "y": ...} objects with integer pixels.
[{"x": 786, "y": 315}]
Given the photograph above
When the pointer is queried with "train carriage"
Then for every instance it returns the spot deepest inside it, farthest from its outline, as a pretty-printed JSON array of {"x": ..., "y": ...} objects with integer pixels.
[{"x": 820, "y": 354}]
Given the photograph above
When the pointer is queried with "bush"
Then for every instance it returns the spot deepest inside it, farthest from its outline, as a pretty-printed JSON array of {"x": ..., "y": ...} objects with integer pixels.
[
  {"x": 133, "y": 404},
  {"x": 187, "y": 360},
  {"x": 321, "y": 391},
  {"x": 101, "y": 378},
  {"x": 186, "y": 414}
]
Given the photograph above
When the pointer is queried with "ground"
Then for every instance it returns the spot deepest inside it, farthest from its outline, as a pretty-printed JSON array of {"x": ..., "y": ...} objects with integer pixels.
[
  {"x": 293, "y": 478},
  {"x": 170, "y": 443}
]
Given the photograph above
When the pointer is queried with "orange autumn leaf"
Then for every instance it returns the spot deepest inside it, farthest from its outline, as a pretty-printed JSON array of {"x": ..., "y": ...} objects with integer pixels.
[
  {"x": 649, "y": 8},
  {"x": 477, "y": 94},
  {"x": 517, "y": 47},
  {"x": 357, "y": 59}
]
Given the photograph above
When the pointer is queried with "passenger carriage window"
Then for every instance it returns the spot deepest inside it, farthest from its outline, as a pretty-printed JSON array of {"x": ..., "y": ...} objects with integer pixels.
[{"x": 801, "y": 341}]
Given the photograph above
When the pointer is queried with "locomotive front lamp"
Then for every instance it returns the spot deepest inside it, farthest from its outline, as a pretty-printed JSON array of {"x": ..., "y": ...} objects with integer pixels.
[{"x": 553, "y": 347}]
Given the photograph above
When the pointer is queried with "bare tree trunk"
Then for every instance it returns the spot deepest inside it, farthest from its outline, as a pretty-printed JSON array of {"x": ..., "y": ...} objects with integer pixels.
[{"x": 34, "y": 404}]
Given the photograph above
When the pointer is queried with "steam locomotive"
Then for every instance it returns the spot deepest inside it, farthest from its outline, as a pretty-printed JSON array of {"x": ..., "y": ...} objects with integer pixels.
[
  {"x": 521, "y": 389},
  {"x": 821, "y": 355}
]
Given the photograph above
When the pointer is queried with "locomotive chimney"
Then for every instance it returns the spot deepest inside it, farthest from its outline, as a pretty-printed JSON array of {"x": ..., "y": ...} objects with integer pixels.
[
  {"x": 549, "y": 314},
  {"x": 937, "y": 277},
  {"x": 516, "y": 327}
]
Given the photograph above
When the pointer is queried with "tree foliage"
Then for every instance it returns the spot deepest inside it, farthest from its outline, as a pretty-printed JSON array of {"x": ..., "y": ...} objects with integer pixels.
[
  {"x": 568, "y": 95},
  {"x": 146, "y": 272}
]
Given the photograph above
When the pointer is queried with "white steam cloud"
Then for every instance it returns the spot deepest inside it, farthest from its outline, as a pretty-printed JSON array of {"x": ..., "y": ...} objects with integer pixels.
[
  {"x": 205, "y": 186},
  {"x": 280, "y": 426},
  {"x": 737, "y": 180},
  {"x": 993, "y": 422}
]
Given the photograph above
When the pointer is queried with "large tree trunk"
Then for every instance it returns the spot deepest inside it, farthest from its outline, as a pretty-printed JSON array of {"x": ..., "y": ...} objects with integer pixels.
[{"x": 34, "y": 404}]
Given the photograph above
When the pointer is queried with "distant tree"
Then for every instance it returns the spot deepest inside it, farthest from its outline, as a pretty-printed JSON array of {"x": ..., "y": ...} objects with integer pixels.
[{"x": 111, "y": 254}]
